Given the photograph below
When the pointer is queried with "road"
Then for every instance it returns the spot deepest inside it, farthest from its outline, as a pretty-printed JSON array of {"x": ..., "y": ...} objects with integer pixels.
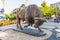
[{"x": 52, "y": 32}]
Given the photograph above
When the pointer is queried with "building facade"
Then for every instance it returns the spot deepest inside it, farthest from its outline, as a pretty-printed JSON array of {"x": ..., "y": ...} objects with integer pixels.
[{"x": 56, "y": 5}]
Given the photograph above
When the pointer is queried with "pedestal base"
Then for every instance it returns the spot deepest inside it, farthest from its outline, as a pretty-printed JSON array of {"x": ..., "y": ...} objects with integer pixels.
[{"x": 31, "y": 31}]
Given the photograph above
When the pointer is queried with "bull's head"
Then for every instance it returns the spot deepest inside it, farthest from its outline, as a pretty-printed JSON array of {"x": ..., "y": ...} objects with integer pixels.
[{"x": 39, "y": 22}]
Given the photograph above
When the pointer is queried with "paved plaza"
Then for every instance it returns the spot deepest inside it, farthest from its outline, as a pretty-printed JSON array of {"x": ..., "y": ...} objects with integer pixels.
[{"x": 52, "y": 32}]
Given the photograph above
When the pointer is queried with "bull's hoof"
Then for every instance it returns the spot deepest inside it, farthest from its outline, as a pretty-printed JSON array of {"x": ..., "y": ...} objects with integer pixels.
[
  {"x": 21, "y": 28},
  {"x": 40, "y": 31}
]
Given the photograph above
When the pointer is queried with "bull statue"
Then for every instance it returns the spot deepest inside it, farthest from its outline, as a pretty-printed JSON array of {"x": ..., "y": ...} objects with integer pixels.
[{"x": 31, "y": 15}]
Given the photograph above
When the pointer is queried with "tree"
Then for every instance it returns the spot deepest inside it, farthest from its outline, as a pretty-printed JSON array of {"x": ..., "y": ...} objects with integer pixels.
[
  {"x": 46, "y": 10},
  {"x": 12, "y": 16},
  {"x": 22, "y": 5},
  {"x": 26, "y": 1},
  {"x": 54, "y": 11},
  {"x": 6, "y": 15},
  {"x": 43, "y": 4}
]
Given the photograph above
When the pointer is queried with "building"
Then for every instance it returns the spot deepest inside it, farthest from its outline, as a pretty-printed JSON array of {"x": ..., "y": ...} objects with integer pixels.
[{"x": 57, "y": 4}]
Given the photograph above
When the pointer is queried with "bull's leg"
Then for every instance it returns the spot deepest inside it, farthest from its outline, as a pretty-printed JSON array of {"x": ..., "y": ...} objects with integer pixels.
[
  {"x": 17, "y": 23},
  {"x": 27, "y": 25},
  {"x": 30, "y": 24},
  {"x": 40, "y": 29},
  {"x": 20, "y": 27},
  {"x": 37, "y": 24},
  {"x": 26, "y": 19}
]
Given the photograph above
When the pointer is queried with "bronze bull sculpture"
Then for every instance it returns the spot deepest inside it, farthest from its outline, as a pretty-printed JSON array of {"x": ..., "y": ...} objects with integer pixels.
[{"x": 31, "y": 14}]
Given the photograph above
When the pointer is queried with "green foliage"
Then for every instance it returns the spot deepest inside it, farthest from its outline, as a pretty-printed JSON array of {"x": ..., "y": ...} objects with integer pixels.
[
  {"x": 22, "y": 5},
  {"x": 43, "y": 4},
  {"x": 54, "y": 11},
  {"x": 6, "y": 15},
  {"x": 47, "y": 10},
  {"x": 26, "y": 1},
  {"x": 10, "y": 16},
  {"x": 58, "y": 14}
]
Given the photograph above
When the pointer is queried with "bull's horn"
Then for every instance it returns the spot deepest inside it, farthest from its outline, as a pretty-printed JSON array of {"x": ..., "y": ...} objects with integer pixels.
[
  {"x": 36, "y": 18},
  {"x": 47, "y": 21}
]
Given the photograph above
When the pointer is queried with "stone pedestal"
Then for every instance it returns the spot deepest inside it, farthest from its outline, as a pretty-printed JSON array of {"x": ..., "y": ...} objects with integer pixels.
[{"x": 31, "y": 31}]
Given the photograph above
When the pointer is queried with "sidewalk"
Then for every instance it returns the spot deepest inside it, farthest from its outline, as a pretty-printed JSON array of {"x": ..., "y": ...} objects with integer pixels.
[
  {"x": 49, "y": 28},
  {"x": 3, "y": 28},
  {"x": 14, "y": 35}
]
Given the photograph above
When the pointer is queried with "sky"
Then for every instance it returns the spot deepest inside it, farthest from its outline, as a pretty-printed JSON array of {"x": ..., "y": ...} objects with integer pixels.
[{"x": 9, "y": 5}]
